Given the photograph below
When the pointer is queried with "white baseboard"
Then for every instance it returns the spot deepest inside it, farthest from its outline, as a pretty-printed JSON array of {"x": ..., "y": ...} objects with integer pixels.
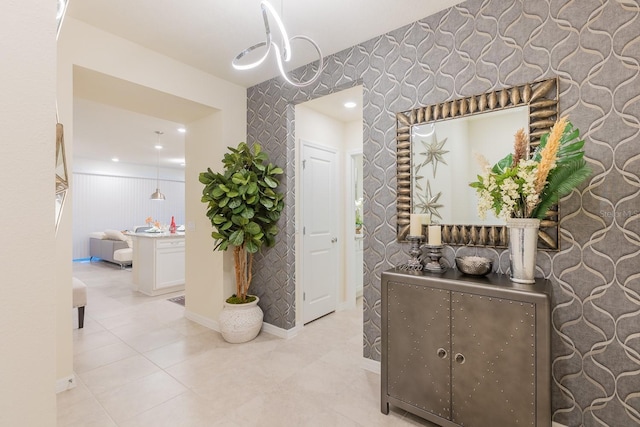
[
  {"x": 279, "y": 332},
  {"x": 358, "y": 293},
  {"x": 346, "y": 306},
  {"x": 371, "y": 365},
  {"x": 204, "y": 321},
  {"x": 66, "y": 383},
  {"x": 554, "y": 424},
  {"x": 266, "y": 327}
]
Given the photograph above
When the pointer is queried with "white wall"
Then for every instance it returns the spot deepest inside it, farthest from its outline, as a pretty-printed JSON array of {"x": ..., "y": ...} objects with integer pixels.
[
  {"x": 27, "y": 132},
  {"x": 97, "y": 167},
  {"x": 209, "y": 274},
  {"x": 103, "y": 202},
  {"x": 86, "y": 46},
  {"x": 353, "y": 135}
]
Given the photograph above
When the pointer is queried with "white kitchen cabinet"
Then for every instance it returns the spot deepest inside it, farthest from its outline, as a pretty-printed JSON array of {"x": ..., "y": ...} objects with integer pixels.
[{"x": 158, "y": 262}]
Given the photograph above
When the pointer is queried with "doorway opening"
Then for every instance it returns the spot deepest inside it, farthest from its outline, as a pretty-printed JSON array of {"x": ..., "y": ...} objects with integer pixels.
[{"x": 328, "y": 270}]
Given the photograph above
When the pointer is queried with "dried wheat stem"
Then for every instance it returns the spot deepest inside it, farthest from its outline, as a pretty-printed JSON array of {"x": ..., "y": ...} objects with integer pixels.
[
  {"x": 549, "y": 153},
  {"x": 520, "y": 147},
  {"x": 482, "y": 161}
]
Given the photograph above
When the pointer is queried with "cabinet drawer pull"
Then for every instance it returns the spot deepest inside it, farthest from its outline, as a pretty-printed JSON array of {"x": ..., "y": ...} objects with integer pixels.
[
  {"x": 442, "y": 353},
  {"x": 460, "y": 358}
]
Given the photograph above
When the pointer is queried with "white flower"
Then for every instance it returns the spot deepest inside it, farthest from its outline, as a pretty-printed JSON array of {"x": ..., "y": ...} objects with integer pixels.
[{"x": 484, "y": 203}]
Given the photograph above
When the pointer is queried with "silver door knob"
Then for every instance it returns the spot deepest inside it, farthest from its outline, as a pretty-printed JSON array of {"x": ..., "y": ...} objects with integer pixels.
[
  {"x": 442, "y": 353},
  {"x": 335, "y": 239},
  {"x": 460, "y": 358}
]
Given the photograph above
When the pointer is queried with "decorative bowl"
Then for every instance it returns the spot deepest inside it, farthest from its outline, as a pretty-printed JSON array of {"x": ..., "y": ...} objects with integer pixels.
[{"x": 474, "y": 265}]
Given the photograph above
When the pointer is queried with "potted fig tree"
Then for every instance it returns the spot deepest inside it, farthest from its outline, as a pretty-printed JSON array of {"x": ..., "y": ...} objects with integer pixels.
[{"x": 244, "y": 207}]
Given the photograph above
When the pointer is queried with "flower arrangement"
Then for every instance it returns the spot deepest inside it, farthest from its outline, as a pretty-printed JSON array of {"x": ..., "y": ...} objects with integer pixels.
[
  {"x": 149, "y": 221},
  {"x": 524, "y": 185}
]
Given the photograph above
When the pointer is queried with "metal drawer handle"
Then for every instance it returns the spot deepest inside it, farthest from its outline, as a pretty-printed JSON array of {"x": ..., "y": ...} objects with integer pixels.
[
  {"x": 460, "y": 358},
  {"x": 442, "y": 353}
]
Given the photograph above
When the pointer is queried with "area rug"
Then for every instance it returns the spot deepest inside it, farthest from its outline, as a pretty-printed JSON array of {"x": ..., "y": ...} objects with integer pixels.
[{"x": 177, "y": 300}]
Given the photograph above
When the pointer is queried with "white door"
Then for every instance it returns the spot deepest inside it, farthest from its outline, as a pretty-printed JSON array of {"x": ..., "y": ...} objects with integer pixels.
[{"x": 319, "y": 236}]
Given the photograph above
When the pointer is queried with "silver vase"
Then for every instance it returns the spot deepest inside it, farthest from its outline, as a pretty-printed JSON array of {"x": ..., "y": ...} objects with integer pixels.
[{"x": 523, "y": 242}]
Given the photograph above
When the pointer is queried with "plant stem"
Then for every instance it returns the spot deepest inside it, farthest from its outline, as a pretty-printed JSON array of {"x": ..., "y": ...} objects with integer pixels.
[
  {"x": 239, "y": 268},
  {"x": 249, "y": 272}
]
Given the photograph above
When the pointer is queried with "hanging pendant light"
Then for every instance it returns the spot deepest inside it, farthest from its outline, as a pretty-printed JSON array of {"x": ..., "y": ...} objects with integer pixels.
[
  {"x": 157, "y": 195},
  {"x": 281, "y": 53}
]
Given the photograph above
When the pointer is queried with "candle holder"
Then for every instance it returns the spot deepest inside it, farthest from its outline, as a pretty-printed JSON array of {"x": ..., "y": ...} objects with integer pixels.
[
  {"x": 414, "y": 263},
  {"x": 434, "y": 253}
]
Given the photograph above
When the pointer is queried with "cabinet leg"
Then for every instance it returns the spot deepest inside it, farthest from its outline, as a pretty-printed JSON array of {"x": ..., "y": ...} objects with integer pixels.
[
  {"x": 80, "y": 317},
  {"x": 384, "y": 407}
]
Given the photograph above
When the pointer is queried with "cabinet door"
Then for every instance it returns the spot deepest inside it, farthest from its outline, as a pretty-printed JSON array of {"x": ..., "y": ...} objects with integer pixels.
[
  {"x": 170, "y": 264},
  {"x": 493, "y": 361},
  {"x": 418, "y": 347}
]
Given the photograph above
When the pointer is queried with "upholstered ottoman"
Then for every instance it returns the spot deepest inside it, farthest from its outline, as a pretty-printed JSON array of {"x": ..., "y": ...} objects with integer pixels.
[
  {"x": 79, "y": 299},
  {"x": 123, "y": 256}
]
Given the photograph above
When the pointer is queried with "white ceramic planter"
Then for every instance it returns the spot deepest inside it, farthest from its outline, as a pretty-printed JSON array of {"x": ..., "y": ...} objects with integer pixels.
[{"x": 240, "y": 322}]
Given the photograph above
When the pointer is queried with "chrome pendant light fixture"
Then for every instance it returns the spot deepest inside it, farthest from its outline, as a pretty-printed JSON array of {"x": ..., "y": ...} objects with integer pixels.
[
  {"x": 281, "y": 55},
  {"x": 157, "y": 195},
  {"x": 62, "y": 10}
]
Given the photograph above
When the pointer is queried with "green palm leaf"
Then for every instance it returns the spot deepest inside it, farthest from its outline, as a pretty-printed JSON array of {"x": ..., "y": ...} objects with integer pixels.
[
  {"x": 561, "y": 181},
  {"x": 569, "y": 148}
]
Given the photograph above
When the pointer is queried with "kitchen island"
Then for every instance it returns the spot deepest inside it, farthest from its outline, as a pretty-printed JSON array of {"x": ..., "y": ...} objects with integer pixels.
[{"x": 158, "y": 262}]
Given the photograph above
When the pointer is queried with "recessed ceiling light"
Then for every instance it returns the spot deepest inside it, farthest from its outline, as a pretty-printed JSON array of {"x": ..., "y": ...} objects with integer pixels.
[
  {"x": 350, "y": 104},
  {"x": 115, "y": 159},
  {"x": 182, "y": 130},
  {"x": 158, "y": 147}
]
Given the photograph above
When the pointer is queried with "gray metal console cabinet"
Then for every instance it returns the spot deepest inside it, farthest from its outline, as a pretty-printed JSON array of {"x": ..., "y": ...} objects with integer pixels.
[{"x": 468, "y": 351}]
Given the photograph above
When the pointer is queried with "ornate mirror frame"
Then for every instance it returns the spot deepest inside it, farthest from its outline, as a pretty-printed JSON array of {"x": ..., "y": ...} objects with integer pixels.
[
  {"x": 62, "y": 179},
  {"x": 540, "y": 97}
]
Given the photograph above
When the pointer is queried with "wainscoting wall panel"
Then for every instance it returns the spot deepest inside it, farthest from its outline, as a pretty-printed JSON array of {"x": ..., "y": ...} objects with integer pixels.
[
  {"x": 478, "y": 46},
  {"x": 120, "y": 203}
]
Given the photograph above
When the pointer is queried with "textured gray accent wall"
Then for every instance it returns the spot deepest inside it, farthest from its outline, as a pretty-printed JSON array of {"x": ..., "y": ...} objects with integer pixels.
[{"x": 478, "y": 46}]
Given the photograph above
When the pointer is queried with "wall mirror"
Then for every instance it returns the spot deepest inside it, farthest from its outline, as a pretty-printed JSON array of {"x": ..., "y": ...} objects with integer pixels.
[
  {"x": 62, "y": 179},
  {"x": 436, "y": 161}
]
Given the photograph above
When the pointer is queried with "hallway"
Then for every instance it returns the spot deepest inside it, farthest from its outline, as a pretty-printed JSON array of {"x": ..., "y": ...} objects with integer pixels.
[{"x": 139, "y": 362}]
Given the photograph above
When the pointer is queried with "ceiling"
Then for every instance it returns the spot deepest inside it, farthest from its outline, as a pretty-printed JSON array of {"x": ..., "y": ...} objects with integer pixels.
[{"x": 207, "y": 34}]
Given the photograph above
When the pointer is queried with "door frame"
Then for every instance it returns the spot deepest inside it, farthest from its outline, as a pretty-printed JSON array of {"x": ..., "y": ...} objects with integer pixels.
[
  {"x": 299, "y": 241},
  {"x": 349, "y": 235}
]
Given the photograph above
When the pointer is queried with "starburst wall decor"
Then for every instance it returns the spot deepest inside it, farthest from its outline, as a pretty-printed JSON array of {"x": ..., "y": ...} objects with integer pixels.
[
  {"x": 429, "y": 202},
  {"x": 434, "y": 153}
]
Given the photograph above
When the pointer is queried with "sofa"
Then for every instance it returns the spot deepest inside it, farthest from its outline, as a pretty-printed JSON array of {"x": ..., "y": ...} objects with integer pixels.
[{"x": 111, "y": 246}]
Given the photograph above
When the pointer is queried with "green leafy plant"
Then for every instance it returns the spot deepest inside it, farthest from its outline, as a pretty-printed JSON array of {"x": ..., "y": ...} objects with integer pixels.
[
  {"x": 359, "y": 220},
  {"x": 244, "y": 207},
  {"x": 526, "y": 186}
]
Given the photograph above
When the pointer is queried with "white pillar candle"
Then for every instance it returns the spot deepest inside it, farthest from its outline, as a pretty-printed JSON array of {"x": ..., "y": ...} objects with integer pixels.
[
  {"x": 435, "y": 235},
  {"x": 426, "y": 219},
  {"x": 415, "y": 225}
]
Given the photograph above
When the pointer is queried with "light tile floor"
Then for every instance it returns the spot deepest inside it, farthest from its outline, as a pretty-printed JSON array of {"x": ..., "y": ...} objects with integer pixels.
[{"x": 139, "y": 362}]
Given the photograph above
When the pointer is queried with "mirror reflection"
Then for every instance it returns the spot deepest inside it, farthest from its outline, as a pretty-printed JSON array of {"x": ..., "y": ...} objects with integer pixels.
[
  {"x": 62, "y": 179},
  {"x": 443, "y": 162},
  {"x": 435, "y": 147}
]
